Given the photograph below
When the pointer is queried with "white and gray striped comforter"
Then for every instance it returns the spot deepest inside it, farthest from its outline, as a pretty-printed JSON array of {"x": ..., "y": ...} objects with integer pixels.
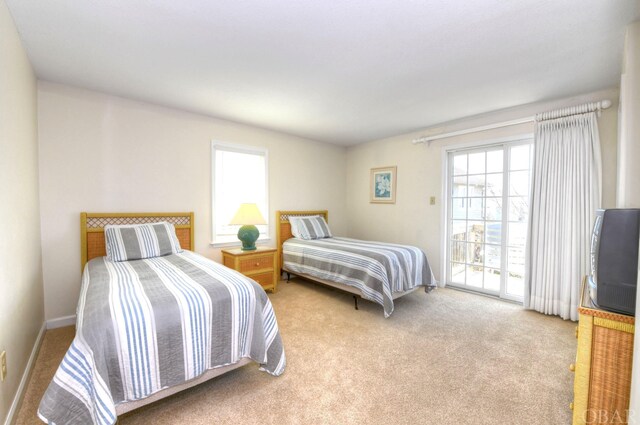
[
  {"x": 377, "y": 269},
  {"x": 146, "y": 325}
]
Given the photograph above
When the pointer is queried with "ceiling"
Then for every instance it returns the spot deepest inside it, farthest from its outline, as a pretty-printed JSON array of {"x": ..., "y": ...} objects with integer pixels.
[{"x": 343, "y": 72}]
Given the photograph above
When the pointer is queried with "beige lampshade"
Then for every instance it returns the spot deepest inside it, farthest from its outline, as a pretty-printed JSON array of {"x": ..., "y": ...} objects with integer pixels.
[{"x": 248, "y": 214}]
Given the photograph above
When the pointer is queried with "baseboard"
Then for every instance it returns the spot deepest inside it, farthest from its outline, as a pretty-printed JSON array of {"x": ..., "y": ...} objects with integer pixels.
[
  {"x": 17, "y": 400},
  {"x": 61, "y": 322}
]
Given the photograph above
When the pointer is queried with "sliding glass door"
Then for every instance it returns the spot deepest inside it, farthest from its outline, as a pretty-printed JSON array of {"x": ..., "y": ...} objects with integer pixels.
[{"x": 488, "y": 208}]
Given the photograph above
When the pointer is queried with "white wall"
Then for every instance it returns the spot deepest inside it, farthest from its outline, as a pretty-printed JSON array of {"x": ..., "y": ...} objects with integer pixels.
[
  {"x": 21, "y": 303},
  {"x": 102, "y": 153},
  {"x": 629, "y": 143},
  {"x": 412, "y": 220},
  {"x": 629, "y": 169}
]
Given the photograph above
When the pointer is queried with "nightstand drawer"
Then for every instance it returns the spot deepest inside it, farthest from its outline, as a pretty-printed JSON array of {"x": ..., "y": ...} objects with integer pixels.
[
  {"x": 264, "y": 279},
  {"x": 256, "y": 263}
]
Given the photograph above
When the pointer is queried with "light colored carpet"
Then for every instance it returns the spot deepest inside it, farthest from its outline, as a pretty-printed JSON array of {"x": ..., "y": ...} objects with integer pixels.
[{"x": 447, "y": 357}]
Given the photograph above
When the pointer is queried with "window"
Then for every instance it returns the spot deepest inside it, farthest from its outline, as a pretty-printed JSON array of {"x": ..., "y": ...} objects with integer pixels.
[
  {"x": 240, "y": 175},
  {"x": 488, "y": 209}
]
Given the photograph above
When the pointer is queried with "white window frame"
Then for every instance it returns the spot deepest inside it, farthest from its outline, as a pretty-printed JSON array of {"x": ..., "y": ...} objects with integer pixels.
[
  {"x": 444, "y": 218},
  {"x": 246, "y": 149}
]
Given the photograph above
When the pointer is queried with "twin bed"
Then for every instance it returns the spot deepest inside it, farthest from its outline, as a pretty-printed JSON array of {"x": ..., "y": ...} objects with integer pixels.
[
  {"x": 154, "y": 318},
  {"x": 378, "y": 272}
]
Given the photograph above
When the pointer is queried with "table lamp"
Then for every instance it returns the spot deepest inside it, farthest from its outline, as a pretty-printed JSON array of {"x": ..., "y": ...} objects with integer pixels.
[{"x": 248, "y": 215}]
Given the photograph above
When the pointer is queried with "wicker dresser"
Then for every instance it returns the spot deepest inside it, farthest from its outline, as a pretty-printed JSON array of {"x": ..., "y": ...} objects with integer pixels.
[{"x": 603, "y": 365}]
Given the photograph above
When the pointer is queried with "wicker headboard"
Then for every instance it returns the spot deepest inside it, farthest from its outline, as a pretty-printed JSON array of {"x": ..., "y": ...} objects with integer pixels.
[
  {"x": 283, "y": 231},
  {"x": 92, "y": 229}
]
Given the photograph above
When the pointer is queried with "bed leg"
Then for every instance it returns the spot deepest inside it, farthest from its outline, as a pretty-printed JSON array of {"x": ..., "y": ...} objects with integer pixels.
[
  {"x": 288, "y": 276},
  {"x": 355, "y": 300}
]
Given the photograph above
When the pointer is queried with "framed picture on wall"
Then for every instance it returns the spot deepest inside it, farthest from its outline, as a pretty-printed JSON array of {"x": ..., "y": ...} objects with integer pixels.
[{"x": 383, "y": 185}]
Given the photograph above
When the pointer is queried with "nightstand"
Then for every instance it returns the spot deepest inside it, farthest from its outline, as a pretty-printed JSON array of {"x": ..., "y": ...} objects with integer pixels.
[{"x": 259, "y": 265}]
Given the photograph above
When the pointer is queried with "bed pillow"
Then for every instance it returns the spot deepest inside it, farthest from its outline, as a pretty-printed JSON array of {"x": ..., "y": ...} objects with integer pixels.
[
  {"x": 295, "y": 224},
  {"x": 138, "y": 241},
  {"x": 314, "y": 227}
]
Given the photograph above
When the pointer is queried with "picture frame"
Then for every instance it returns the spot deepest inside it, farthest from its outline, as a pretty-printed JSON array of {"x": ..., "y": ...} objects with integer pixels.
[{"x": 382, "y": 185}]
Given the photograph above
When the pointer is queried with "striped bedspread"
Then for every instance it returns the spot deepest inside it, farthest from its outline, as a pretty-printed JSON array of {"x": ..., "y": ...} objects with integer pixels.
[
  {"x": 377, "y": 269},
  {"x": 150, "y": 324}
]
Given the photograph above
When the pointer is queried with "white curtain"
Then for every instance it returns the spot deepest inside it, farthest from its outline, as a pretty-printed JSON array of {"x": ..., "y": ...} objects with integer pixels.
[{"x": 566, "y": 191}]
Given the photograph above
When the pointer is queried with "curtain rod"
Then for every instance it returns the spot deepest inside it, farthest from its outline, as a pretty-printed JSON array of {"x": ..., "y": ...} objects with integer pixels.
[{"x": 428, "y": 139}]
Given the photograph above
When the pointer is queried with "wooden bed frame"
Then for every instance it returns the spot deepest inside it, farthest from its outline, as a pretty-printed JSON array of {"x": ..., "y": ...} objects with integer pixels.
[
  {"x": 92, "y": 229},
  {"x": 283, "y": 232},
  {"x": 93, "y": 245}
]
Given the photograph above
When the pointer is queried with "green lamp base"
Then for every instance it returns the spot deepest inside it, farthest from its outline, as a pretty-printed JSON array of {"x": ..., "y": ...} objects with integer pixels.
[{"x": 248, "y": 234}]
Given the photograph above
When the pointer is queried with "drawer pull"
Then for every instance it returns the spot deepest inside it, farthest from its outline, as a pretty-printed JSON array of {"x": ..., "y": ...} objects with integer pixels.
[
  {"x": 257, "y": 264},
  {"x": 572, "y": 367},
  {"x": 571, "y": 405}
]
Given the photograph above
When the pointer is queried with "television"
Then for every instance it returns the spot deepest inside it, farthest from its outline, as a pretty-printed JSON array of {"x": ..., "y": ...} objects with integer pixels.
[{"x": 614, "y": 260}]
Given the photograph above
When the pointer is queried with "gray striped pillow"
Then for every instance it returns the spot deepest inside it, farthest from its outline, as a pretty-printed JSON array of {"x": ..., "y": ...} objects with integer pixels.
[
  {"x": 310, "y": 227},
  {"x": 138, "y": 241}
]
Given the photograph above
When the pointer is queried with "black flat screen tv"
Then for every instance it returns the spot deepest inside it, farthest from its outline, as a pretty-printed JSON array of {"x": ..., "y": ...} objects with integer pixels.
[{"x": 614, "y": 260}]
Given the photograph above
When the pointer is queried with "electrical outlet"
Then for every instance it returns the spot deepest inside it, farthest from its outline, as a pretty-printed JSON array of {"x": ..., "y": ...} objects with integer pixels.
[
  {"x": 3, "y": 365},
  {"x": 432, "y": 200}
]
